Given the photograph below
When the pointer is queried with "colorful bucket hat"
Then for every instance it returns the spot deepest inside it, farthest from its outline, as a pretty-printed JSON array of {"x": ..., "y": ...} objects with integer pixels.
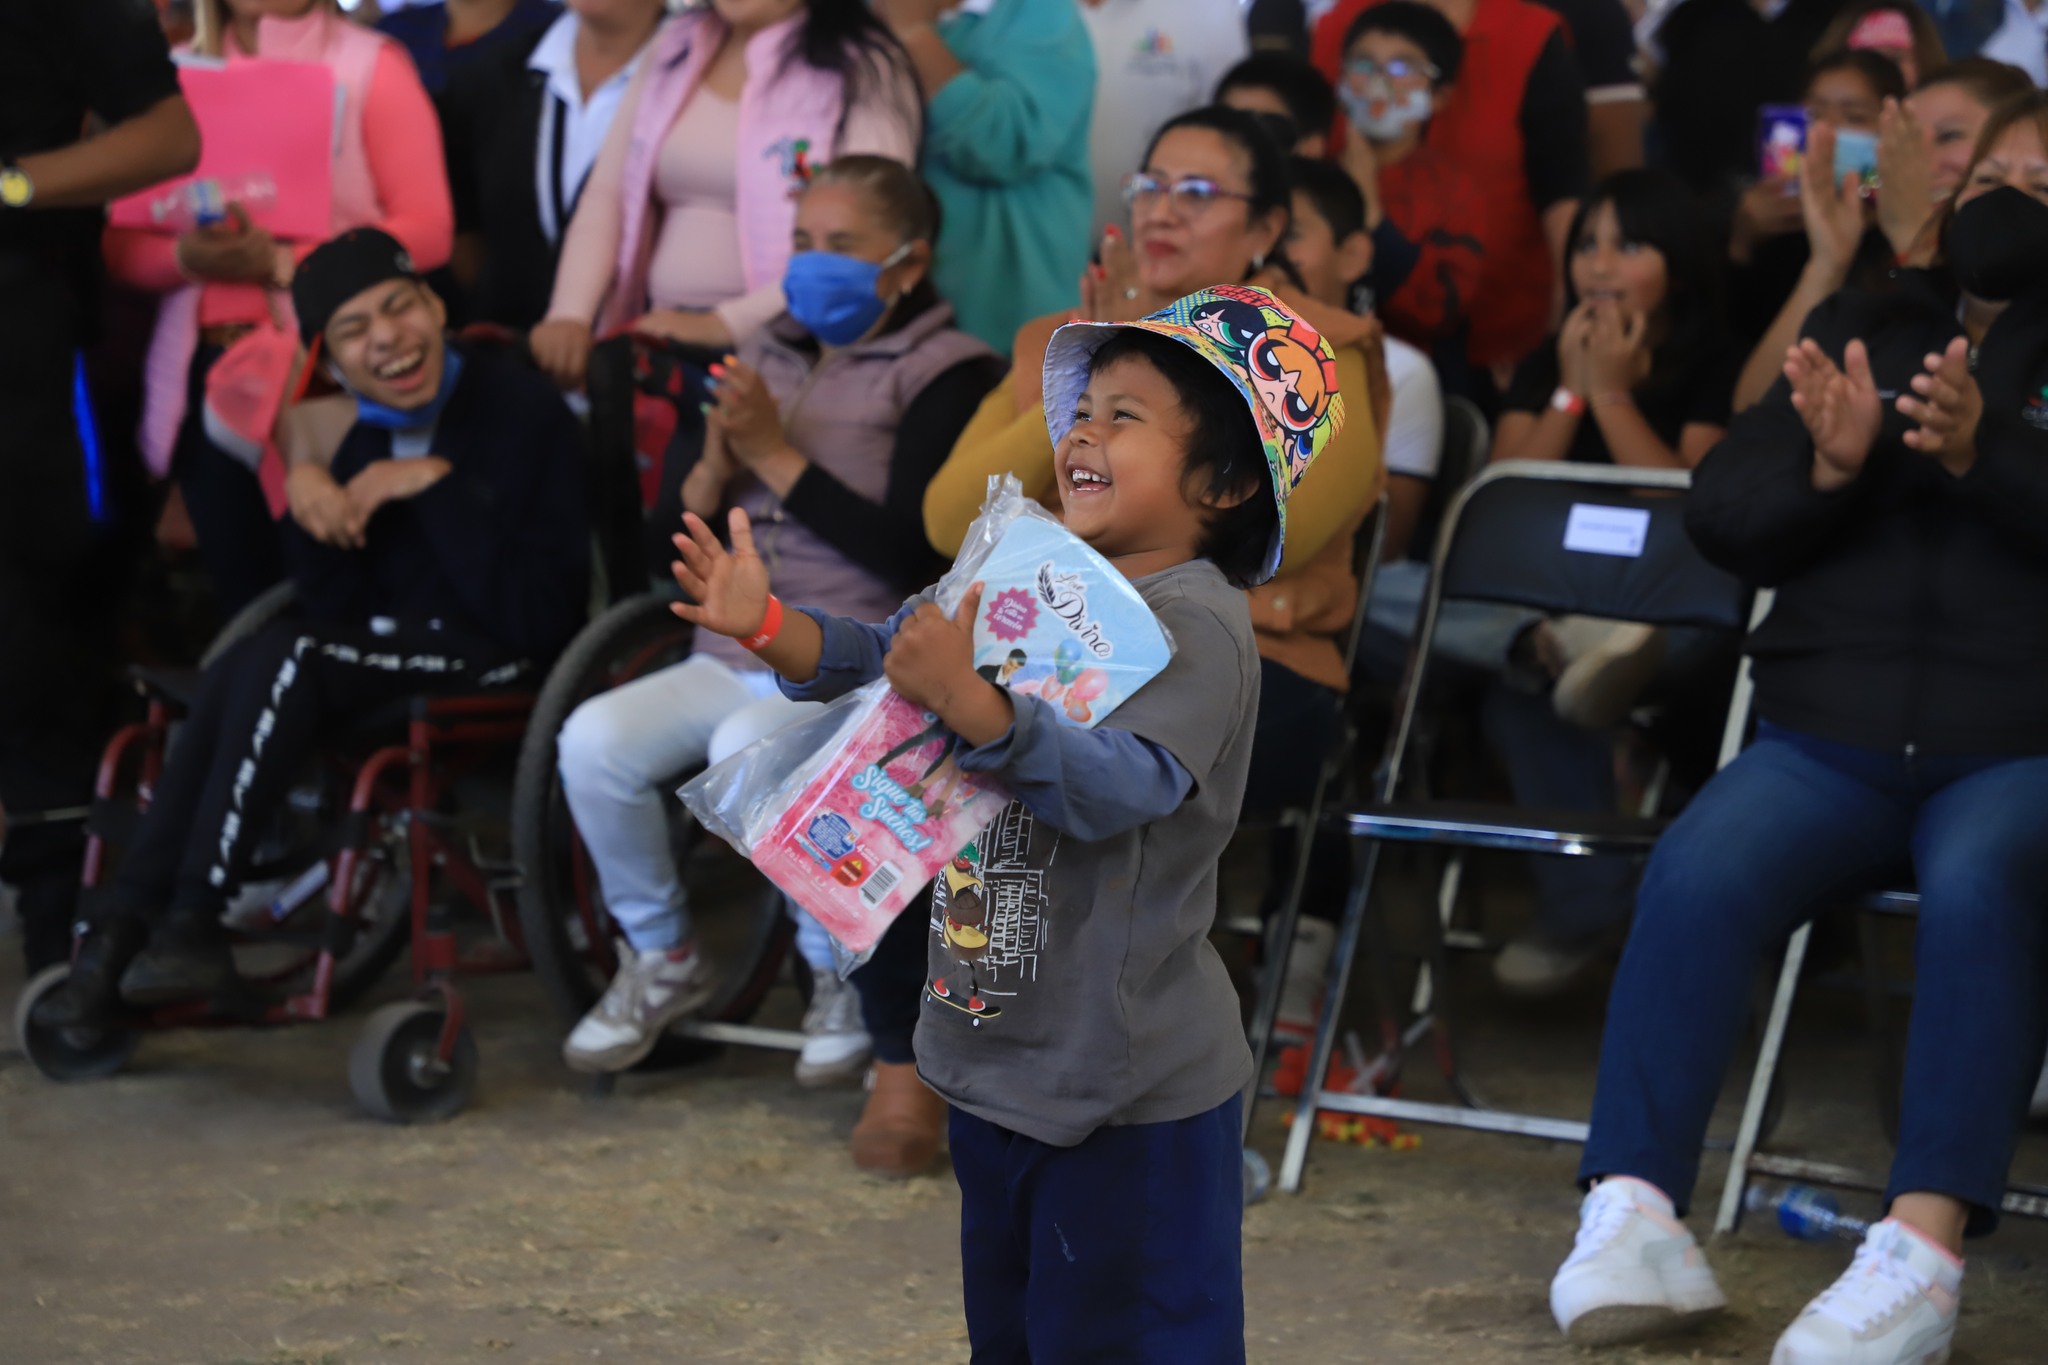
[{"x": 1285, "y": 370}]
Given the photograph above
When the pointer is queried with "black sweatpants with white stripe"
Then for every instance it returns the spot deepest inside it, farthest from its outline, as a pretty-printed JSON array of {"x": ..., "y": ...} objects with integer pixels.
[{"x": 262, "y": 711}]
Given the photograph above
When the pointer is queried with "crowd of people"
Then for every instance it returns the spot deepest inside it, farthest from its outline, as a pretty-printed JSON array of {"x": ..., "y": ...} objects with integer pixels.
[{"x": 1797, "y": 247}]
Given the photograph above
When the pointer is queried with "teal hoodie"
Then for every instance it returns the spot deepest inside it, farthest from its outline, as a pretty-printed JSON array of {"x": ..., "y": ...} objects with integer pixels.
[{"x": 1006, "y": 152}]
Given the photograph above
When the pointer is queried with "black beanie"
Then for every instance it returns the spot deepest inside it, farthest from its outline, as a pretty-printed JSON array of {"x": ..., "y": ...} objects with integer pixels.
[
  {"x": 341, "y": 268},
  {"x": 1422, "y": 25}
]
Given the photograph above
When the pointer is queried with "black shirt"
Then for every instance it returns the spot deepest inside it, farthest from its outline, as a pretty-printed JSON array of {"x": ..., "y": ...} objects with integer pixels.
[
  {"x": 1603, "y": 42},
  {"x": 1553, "y": 121},
  {"x": 1698, "y": 392},
  {"x": 61, "y": 60},
  {"x": 1723, "y": 61},
  {"x": 490, "y": 124}
]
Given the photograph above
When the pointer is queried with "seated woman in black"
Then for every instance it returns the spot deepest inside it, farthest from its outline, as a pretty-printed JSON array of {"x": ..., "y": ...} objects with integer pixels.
[{"x": 1893, "y": 488}]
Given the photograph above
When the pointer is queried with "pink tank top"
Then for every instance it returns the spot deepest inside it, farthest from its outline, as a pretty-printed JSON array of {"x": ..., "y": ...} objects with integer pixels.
[{"x": 696, "y": 262}]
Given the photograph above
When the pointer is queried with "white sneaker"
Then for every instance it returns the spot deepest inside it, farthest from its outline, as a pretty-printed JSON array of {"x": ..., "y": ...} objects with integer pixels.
[
  {"x": 1895, "y": 1305},
  {"x": 1533, "y": 968},
  {"x": 1635, "y": 1272},
  {"x": 836, "y": 1044},
  {"x": 1301, "y": 989},
  {"x": 651, "y": 991}
]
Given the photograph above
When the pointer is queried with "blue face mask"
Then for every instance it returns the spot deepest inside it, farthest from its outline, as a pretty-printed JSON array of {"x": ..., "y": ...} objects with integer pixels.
[
  {"x": 834, "y": 296},
  {"x": 412, "y": 419}
]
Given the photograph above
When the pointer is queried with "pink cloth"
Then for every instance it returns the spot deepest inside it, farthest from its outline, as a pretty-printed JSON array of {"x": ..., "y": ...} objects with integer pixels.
[
  {"x": 388, "y": 173},
  {"x": 696, "y": 260},
  {"x": 790, "y": 113}
]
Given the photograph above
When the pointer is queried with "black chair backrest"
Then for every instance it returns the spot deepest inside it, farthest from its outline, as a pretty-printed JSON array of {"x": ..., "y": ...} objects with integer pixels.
[
  {"x": 1465, "y": 444},
  {"x": 1591, "y": 540}
]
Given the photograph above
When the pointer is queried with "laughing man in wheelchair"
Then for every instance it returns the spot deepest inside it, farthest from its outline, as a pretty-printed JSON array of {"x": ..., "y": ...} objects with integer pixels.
[{"x": 444, "y": 549}]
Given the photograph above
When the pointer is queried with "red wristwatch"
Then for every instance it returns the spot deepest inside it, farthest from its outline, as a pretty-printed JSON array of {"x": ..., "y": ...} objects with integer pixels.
[{"x": 1564, "y": 400}]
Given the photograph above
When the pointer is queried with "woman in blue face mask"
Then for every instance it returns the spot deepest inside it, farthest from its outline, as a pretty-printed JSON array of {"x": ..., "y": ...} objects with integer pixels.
[{"x": 825, "y": 427}]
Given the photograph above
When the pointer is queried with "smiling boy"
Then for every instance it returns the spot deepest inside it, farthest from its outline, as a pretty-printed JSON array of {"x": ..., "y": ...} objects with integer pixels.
[{"x": 1076, "y": 1017}]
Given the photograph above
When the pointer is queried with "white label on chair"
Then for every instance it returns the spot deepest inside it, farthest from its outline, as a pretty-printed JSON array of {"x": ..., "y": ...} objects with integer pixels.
[{"x": 1597, "y": 530}]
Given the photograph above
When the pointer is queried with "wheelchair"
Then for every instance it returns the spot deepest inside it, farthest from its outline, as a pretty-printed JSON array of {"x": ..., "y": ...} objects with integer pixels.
[
  {"x": 395, "y": 814},
  {"x": 739, "y": 916}
]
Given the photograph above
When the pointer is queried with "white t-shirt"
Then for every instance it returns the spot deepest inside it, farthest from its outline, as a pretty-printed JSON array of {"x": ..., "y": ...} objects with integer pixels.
[
  {"x": 2021, "y": 41},
  {"x": 1153, "y": 59},
  {"x": 1415, "y": 431}
]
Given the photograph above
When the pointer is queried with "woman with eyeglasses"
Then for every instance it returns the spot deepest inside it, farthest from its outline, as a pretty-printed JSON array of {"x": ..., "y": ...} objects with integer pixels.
[
  {"x": 1212, "y": 205},
  {"x": 1427, "y": 215}
]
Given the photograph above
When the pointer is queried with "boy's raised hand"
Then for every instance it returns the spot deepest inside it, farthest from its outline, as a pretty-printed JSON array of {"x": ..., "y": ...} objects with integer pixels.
[
  {"x": 931, "y": 661},
  {"x": 730, "y": 589}
]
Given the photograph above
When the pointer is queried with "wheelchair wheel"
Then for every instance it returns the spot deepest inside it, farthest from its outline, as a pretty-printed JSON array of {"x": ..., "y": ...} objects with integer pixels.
[
  {"x": 395, "y": 1074},
  {"x": 68, "y": 1054},
  {"x": 739, "y": 916},
  {"x": 278, "y": 954},
  {"x": 264, "y": 608}
]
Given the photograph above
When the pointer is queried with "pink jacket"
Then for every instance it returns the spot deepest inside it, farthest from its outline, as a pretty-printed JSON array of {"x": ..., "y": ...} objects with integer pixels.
[
  {"x": 388, "y": 173},
  {"x": 790, "y": 116}
]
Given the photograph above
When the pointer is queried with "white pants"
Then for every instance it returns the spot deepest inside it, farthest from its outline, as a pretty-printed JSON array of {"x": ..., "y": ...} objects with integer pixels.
[{"x": 623, "y": 749}]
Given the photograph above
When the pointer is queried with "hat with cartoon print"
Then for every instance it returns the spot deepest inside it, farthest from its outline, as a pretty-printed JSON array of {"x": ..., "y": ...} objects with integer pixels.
[{"x": 1281, "y": 365}]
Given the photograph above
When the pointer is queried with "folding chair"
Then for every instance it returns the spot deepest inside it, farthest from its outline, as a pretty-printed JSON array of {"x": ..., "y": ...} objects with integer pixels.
[
  {"x": 1367, "y": 547},
  {"x": 1554, "y": 538},
  {"x": 1747, "y": 1161}
]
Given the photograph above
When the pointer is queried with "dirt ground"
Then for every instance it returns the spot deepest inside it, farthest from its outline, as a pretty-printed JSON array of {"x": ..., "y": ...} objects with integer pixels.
[{"x": 223, "y": 1203}]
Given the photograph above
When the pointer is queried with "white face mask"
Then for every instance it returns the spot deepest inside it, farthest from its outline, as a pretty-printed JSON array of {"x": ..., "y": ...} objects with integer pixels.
[{"x": 1382, "y": 118}]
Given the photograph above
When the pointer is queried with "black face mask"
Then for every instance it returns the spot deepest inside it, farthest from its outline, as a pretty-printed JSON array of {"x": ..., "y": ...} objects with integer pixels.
[{"x": 1998, "y": 244}]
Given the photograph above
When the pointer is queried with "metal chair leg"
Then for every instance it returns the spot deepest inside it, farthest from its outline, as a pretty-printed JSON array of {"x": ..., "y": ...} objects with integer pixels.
[
  {"x": 1278, "y": 944},
  {"x": 1327, "y": 1021},
  {"x": 1732, "y": 1193}
]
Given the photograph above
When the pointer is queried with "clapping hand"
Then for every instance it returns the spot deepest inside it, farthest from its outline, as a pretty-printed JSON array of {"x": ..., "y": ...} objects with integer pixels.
[
  {"x": 1905, "y": 172},
  {"x": 931, "y": 660},
  {"x": 747, "y": 414},
  {"x": 1109, "y": 288},
  {"x": 1834, "y": 213},
  {"x": 1948, "y": 405},
  {"x": 1840, "y": 407},
  {"x": 729, "y": 588}
]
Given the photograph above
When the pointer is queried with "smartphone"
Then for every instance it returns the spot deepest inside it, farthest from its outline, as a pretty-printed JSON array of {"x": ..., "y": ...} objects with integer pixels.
[
  {"x": 1856, "y": 154},
  {"x": 1780, "y": 140}
]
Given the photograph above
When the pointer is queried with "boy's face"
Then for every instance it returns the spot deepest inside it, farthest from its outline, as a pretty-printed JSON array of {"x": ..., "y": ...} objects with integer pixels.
[
  {"x": 1328, "y": 267},
  {"x": 387, "y": 342},
  {"x": 1121, "y": 465}
]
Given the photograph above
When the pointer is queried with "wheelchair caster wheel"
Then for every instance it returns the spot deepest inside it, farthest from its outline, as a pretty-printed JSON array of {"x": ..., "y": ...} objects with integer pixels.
[
  {"x": 68, "y": 1054},
  {"x": 395, "y": 1074}
]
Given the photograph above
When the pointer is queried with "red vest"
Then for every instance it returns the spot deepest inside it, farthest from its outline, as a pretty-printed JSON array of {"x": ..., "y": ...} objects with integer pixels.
[{"x": 1477, "y": 128}]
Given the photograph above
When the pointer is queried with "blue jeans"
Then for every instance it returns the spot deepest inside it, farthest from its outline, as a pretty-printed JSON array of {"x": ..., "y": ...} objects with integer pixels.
[
  {"x": 1126, "y": 1249},
  {"x": 1794, "y": 825}
]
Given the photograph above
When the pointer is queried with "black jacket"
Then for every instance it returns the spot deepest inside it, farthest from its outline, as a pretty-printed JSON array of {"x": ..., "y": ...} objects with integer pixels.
[
  {"x": 490, "y": 126},
  {"x": 498, "y": 551},
  {"x": 1912, "y": 606}
]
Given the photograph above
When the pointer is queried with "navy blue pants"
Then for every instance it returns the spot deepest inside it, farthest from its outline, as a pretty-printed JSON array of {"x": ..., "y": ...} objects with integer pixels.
[
  {"x": 1796, "y": 824},
  {"x": 1126, "y": 1248}
]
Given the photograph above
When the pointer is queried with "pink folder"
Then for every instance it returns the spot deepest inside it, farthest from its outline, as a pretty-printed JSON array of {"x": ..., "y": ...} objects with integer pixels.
[{"x": 267, "y": 136}]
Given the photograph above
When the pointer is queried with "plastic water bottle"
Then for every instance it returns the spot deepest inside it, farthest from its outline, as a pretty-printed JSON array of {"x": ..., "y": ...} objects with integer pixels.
[
  {"x": 1809, "y": 1214},
  {"x": 1258, "y": 1177}
]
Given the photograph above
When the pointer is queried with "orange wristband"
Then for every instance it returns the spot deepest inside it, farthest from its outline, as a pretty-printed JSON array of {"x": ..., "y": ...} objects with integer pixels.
[{"x": 771, "y": 626}]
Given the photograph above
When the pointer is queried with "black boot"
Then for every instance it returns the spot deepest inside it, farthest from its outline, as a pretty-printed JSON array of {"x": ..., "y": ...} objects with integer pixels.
[
  {"x": 90, "y": 997},
  {"x": 187, "y": 959}
]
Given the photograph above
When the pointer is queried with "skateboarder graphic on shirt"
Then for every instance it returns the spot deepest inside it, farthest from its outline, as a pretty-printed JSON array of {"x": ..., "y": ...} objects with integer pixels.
[{"x": 965, "y": 924}]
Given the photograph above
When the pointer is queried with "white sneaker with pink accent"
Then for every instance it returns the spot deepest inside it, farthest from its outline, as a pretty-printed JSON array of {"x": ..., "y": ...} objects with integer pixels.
[
  {"x": 1634, "y": 1273},
  {"x": 1895, "y": 1305}
]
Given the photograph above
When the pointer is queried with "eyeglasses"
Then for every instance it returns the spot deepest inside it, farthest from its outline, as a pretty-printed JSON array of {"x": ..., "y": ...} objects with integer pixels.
[
  {"x": 1365, "y": 68},
  {"x": 1190, "y": 195}
]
